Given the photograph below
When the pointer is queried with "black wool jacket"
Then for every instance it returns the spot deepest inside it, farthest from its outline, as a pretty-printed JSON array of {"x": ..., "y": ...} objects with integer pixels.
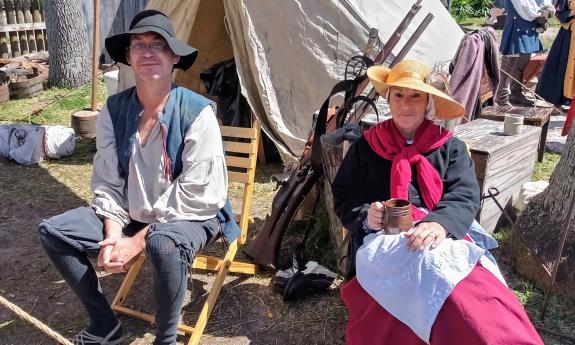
[{"x": 364, "y": 176}]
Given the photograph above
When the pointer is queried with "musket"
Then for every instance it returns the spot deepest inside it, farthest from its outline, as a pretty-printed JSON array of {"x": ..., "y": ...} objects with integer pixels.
[
  {"x": 409, "y": 44},
  {"x": 396, "y": 35},
  {"x": 402, "y": 53}
]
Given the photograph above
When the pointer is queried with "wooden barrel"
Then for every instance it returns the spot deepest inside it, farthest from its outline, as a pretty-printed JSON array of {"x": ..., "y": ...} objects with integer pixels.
[
  {"x": 26, "y": 88},
  {"x": 84, "y": 123}
]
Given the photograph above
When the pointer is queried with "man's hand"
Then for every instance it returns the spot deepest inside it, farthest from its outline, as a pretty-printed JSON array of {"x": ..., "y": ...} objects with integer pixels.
[
  {"x": 112, "y": 230},
  {"x": 375, "y": 215},
  {"x": 123, "y": 252},
  {"x": 425, "y": 234}
]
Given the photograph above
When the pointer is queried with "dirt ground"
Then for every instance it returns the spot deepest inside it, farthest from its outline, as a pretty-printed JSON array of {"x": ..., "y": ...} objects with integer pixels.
[{"x": 248, "y": 311}]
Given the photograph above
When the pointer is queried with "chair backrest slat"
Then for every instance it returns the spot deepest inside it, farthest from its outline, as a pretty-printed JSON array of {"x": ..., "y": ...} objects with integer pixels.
[
  {"x": 241, "y": 146},
  {"x": 238, "y": 177},
  {"x": 238, "y": 132},
  {"x": 237, "y": 147},
  {"x": 238, "y": 162}
]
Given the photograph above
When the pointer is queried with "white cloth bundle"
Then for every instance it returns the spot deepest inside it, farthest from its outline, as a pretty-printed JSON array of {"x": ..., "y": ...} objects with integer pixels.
[
  {"x": 412, "y": 286},
  {"x": 59, "y": 142},
  {"x": 28, "y": 144}
]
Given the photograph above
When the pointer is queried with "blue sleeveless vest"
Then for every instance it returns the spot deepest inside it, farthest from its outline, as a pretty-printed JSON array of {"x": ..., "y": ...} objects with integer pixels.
[
  {"x": 181, "y": 109},
  {"x": 519, "y": 35}
]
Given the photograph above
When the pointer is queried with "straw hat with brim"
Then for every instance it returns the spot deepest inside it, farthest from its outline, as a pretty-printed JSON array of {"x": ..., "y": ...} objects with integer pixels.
[
  {"x": 411, "y": 74},
  {"x": 151, "y": 21}
]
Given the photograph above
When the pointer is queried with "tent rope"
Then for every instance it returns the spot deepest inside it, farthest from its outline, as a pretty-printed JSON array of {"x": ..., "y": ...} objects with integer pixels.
[{"x": 25, "y": 316}]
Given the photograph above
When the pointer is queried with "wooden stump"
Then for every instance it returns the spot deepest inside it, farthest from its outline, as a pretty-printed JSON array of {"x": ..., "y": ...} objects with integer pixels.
[
  {"x": 84, "y": 123},
  {"x": 332, "y": 155}
]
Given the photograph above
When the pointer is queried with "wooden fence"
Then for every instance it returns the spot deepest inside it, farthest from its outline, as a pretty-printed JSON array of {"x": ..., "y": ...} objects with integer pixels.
[{"x": 22, "y": 27}]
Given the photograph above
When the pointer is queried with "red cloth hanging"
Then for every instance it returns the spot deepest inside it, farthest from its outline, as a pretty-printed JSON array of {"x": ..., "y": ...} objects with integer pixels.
[{"x": 480, "y": 310}]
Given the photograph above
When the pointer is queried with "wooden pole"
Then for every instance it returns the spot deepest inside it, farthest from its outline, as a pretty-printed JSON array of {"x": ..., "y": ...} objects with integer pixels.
[{"x": 95, "y": 50}]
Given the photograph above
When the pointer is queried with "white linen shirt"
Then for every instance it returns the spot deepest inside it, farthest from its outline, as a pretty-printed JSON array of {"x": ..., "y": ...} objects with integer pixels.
[
  {"x": 198, "y": 193},
  {"x": 529, "y": 9}
]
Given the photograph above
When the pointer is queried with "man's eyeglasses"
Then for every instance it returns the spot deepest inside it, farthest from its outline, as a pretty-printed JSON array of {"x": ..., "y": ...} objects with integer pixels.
[{"x": 156, "y": 47}]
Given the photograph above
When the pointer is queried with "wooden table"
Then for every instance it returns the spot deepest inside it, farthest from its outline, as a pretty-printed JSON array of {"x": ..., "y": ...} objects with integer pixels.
[
  {"x": 501, "y": 161},
  {"x": 533, "y": 116}
]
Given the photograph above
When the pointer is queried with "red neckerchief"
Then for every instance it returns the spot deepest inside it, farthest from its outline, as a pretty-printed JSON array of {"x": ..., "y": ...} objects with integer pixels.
[{"x": 390, "y": 144}]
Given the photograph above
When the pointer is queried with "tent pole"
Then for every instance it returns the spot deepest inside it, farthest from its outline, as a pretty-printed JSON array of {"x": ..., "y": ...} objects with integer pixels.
[{"x": 95, "y": 50}]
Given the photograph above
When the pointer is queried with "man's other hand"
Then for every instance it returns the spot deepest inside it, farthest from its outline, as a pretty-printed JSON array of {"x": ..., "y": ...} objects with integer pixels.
[{"x": 122, "y": 252}]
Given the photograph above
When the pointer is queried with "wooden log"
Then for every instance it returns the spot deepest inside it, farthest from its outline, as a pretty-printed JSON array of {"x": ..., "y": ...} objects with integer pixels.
[
  {"x": 332, "y": 156},
  {"x": 4, "y": 49},
  {"x": 18, "y": 4},
  {"x": 36, "y": 14},
  {"x": 40, "y": 44},
  {"x": 10, "y": 11},
  {"x": 27, "y": 12},
  {"x": 3, "y": 17},
  {"x": 31, "y": 41},
  {"x": 23, "y": 42},
  {"x": 339, "y": 235},
  {"x": 15, "y": 44}
]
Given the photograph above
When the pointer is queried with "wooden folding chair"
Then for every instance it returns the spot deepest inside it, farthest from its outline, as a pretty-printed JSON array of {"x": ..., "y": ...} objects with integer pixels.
[{"x": 241, "y": 145}]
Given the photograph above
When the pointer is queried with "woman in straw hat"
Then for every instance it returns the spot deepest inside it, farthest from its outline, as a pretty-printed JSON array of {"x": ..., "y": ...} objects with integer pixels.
[{"x": 427, "y": 285}]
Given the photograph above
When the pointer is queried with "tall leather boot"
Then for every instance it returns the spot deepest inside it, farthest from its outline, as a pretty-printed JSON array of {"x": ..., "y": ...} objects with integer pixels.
[
  {"x": 502, "y": 94},
  {"x": 517, "y": 97}
]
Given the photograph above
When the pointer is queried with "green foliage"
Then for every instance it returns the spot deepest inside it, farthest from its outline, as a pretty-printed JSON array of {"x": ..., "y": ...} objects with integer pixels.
[{"x": 462, "y": 9}]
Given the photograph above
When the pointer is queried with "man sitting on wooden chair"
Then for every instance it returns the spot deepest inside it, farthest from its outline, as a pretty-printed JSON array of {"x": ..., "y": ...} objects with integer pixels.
[{"x": 159, "y": 182}]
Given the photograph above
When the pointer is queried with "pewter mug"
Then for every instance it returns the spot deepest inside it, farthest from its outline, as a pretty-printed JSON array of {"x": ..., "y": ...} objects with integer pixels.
[{"x": 397, "y": 217}]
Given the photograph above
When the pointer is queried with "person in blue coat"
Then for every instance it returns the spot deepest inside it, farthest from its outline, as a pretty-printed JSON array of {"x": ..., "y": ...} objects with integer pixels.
[
  {"x": 520, "y": 39},
  {"x": 555, "y": 76}
]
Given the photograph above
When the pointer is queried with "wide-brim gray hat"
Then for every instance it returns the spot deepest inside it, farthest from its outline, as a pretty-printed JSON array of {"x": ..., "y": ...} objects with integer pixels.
[{"x": 151, "y": 21}]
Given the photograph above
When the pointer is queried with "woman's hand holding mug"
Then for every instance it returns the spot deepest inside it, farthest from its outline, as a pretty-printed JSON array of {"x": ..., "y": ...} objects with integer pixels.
[{"x": 375, "y": 215}]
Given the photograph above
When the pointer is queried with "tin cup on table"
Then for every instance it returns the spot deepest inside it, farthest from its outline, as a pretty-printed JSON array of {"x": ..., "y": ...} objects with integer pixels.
[
  {"x": 397, "y": 218},
  {"x": 512, "y": 124}
]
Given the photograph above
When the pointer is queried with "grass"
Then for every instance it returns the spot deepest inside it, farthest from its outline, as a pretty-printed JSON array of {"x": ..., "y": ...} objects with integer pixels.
[
  {"x": 478, "y": 21},
  {"x": 53, "y": 106},
  {"x": 544, "y": 169}
]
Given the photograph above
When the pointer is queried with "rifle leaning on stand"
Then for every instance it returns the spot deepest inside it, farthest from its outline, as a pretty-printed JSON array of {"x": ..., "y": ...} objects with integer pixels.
[{"x": 264, "y": 248}]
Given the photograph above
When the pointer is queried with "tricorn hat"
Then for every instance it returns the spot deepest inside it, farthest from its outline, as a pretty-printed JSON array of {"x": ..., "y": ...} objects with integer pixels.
[
  {"x": 412, "y": 74},
  {"x": 151, "y": 21}
]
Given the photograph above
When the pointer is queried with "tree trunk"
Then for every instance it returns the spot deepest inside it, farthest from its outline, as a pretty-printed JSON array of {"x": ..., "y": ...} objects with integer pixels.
[
  {"x": 541, "y": 225},
  {"x": 70, "y": 62}
]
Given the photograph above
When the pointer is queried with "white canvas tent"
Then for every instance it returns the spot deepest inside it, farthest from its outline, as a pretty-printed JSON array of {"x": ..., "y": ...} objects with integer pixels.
[{"x": 289, "y": 53}]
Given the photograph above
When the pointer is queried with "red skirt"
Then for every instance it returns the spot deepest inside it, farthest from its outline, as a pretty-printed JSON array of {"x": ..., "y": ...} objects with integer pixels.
[{"x": 480, "y": 310}]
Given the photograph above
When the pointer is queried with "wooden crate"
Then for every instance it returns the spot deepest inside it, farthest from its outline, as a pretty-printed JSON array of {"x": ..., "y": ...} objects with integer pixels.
[{"x": 501, "y": 161}]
